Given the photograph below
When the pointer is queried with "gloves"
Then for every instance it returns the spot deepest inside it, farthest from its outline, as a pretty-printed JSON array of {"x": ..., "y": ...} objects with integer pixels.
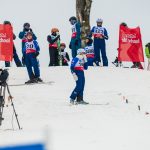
[
  {"x": 30, "y": 30},
  {"x": 75, "y": 76},
  {"x": 36, "y": 54},
  {"x": 85, "y": 58}
]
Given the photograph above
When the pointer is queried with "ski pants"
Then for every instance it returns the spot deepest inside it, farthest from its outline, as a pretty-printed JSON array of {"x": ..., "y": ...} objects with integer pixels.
[
  {"x": 75, "y": 45},
  {"x": 99, "y": 46},
  {"x": 79, "y": 89},
  {"x": 90, "y": 61},
  {"x": 16, "y": 59},
  {"x": 31, "y": 61},
  {"x": 53, "y": 54}
]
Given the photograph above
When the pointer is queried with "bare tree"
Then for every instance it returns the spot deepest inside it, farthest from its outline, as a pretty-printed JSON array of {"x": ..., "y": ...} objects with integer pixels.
[{"x": 83, "y": 9}]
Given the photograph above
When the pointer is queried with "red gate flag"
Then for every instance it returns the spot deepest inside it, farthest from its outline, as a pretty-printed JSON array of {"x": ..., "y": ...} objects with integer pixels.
[
  {"x": 130, "y": 45},
  {"x": 6, "y": 42}
]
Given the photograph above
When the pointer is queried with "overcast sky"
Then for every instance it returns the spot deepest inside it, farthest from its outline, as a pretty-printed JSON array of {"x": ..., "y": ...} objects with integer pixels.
[{"x": 45, "y": 14}]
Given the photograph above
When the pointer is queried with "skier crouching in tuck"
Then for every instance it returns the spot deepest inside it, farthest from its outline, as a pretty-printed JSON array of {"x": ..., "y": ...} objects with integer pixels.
[
  {"x": 31, "y": 51},
  {"x": 78, "y": 64}
]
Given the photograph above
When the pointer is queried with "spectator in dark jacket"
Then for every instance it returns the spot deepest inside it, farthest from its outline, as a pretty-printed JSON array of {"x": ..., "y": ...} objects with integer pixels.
[
  {"x": 15, "y": 55},
  {"x": 53, "y": 40}
]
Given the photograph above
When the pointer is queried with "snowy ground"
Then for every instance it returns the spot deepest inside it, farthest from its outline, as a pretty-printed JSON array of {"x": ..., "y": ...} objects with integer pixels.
[{"x": 107, "y": 123}]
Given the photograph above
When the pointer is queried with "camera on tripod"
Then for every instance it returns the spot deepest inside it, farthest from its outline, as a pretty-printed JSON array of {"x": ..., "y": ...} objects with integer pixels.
[{"x": 3, "y": 87}]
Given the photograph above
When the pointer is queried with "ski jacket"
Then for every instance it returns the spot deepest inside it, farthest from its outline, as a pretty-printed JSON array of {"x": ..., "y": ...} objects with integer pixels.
[
  {"x": 76, "y": 31},
  {"x": 78, "y": 64},
  {"x": 147, "y": 52},
  {"x": 53, "y": 40},
  {"x": 99, "y": 33},
  {"x": 65, "y": 57},
  {"x": 31, "y": 47},
  {"x": 22, "y": 35},
  {"x": 89, "y": 49}
]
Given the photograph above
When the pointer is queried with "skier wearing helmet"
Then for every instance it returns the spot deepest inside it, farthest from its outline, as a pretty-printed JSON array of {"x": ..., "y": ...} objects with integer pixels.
[
  {"x": 100, "y": 35},
  {"x": 75, "y": 42},
  {"x": 53, "y": 47},
  {"x": 22, "y": 35},
  {"x": 31, "y": 50},
  {"x": 78, "y": 64},
  {"x": 64, "y": 55}
]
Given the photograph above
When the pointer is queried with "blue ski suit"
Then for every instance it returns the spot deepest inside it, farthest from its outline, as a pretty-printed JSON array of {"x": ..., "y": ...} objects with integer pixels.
[
  {"x": 75, "y": 42},
  {"x": 22, "y": 35},
  {"x": 31, "y": 51},
  {"x": 89, "y": 49},
  {"x": 77, "y": 66},
  {"x": 100, "y": 34}
]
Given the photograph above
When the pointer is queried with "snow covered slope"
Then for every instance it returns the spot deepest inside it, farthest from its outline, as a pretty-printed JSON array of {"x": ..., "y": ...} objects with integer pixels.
[{"x": 107, "y": 123}]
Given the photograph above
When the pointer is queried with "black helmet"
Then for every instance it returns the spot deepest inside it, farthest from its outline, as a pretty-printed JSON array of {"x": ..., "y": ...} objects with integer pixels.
[
  {"x": 90, "y": 40},
  {"x": 26, "y": 24},
  {"x": 72, "y": 18},
  {"x": 7, "y": 22},
  {"x": 123, "y": 24}
]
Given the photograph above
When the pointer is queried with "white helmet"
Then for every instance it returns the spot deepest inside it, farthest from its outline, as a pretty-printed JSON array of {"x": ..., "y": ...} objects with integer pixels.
[
  {"x": 80, "y": 51},
  {"x": 99, "y": 20}
]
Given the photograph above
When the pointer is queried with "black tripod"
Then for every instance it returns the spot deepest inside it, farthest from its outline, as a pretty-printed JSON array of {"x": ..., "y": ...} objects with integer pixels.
[{"x": 3, "y": 88}]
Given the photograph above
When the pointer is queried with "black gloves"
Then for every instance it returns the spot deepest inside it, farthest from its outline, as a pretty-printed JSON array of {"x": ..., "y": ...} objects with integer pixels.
[
  {"x": 36, "y": 54},
  {"x": 30, "y": 30}
]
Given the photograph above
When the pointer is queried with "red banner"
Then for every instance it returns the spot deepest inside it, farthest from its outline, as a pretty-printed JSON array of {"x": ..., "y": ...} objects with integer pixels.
[
  {"x": 6, "y": 42},
  {"x": 130, "y": 45}
]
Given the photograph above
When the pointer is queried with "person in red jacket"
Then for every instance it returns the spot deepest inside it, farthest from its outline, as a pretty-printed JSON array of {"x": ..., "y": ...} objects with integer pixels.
[{"x": 53, "y": 47}]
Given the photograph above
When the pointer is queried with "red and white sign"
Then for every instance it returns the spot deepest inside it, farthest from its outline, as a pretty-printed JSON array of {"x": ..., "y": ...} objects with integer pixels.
[
  {"x": 6, "y": 42},
  {"x": 130, "y": 45}
]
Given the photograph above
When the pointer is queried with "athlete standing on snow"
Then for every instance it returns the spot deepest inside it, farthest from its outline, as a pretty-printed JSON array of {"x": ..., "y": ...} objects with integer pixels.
[
  {"x": 31, "y": 50},
  {"x": 100, "y": 35},
  {"x": 89, "y": 50},
  {"x": 22, "y": 35},
  {"x": 75, "y": 42},
  {"x": 78, "y": 64},
  {"x": 53, "y": 47}
]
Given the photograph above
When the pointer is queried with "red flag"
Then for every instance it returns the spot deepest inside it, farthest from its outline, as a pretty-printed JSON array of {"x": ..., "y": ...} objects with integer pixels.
[
  {"x": 6, "y": 42},
  {"x": 130, "y": 45}
]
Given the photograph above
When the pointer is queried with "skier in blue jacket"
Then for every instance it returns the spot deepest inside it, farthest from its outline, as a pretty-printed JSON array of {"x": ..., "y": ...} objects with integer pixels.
[
  {"x": 22, "y": 35},
  {"x": 75, "y": 42},
  {"x": 89, "y": 50},
  {"x": 31, "y": 50},
  {"x": 100, "y": 35},
  {"x": 78, "y": 64}
]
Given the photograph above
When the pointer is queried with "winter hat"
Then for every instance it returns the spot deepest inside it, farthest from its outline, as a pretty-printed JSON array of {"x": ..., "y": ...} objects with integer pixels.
[
  {"x": 90, "y": 40},
  {"x": 99, "y": 20},
  {"x": 54, "y": 30},
  {"x": 73, "y": 18},
  {"x": 63, "y": 44},
  {"x": 7, "y": 22},
  {"x": 26, "y": 24}
]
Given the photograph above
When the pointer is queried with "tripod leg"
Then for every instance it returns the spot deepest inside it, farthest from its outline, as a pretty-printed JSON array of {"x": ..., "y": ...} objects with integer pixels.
[{"x": 13, "y": 107}]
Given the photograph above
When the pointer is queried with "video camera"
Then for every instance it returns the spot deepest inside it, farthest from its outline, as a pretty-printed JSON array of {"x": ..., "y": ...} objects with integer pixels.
[{"x": 3, "y": 76}]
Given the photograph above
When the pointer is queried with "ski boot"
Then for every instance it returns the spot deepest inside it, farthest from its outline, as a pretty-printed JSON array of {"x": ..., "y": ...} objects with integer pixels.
[
  {"x": 38, "y": 79},
  {"x": 81, "y": 101},
  {"x": 31, "y": 81},
  {"x": 73, "y": 102}
]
